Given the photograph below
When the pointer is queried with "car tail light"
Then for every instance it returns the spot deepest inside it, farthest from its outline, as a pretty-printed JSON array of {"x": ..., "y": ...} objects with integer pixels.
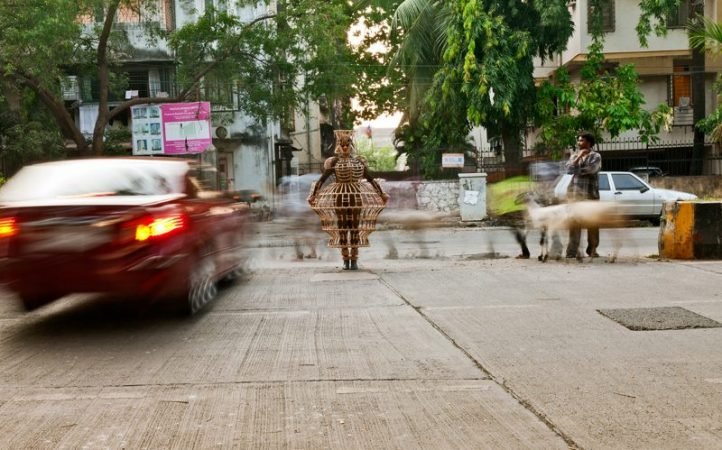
[
  {"x": 156, "y": 226},
  {"x": 8, "y": 227}
]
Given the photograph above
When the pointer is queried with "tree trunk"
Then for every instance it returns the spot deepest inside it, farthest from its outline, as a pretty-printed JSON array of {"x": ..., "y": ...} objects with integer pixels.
[
  {"x": 512, "y": 152},
  {"x": 103, "y": 79},
  {"x": 698, "y": 104}
]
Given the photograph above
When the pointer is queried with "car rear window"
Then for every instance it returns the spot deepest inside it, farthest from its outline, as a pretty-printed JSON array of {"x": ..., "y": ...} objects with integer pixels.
[
  {"x": 99, "y": 177},
  {"x": 603, "y": 182}
]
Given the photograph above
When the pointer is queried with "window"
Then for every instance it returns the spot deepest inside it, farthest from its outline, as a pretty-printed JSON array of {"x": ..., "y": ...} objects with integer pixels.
[
  {"x": 679, "y": 18},
  {"x": 603, "y": 182},
  {"x": 216, "y": 5},
  {"x": 607, "y": 7},
  {"x": 167, "y": 81},
  {"x": 221, "y": 92},
  {"x": 680, "y": 87},
  {"x": 138, "y": 81},
  {"x": 626, "y": 182}
]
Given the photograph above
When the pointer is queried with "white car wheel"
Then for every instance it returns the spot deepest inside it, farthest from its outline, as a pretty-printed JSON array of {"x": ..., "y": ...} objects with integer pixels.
[{"x": 202, "y": 285}]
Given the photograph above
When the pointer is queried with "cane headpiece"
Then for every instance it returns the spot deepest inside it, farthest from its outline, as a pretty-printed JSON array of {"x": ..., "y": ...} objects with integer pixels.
[{"x": 344, "y": 137}]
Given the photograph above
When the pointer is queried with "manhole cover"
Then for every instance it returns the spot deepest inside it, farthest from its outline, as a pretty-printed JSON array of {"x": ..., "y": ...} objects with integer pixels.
[{"x": 662, "y": 318}]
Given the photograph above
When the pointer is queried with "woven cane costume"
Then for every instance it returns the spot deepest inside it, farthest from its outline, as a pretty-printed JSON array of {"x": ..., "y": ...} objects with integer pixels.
[{"x": 350, "y": 205}]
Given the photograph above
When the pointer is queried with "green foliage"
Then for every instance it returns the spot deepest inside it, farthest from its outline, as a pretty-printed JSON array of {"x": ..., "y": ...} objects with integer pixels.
[
  {"x": 27, "y": 132},
  {"x": 29, "y": 142},
  {"x": 707, "y": 34},
  {"x": 604, "y": 100},
  {"x": 488, "y": 66},
  {"x": 471, "y": 48},
  {"x": 712, "y": 124},
  {"x": 43, "y": 40},
  {"x": 379, "y": 159},
  {"x": 653, "y": 18},
  {"x": 116, "y": 141}
]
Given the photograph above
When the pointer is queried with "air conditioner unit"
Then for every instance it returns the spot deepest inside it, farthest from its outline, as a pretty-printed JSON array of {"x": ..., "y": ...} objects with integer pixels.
[
  {"x": 220, "y": 132},
  {"x": 683, "y": 102},
  {"x": 71, "y": 88}
]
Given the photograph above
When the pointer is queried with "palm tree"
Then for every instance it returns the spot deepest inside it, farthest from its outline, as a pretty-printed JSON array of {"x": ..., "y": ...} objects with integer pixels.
[{"x": 424, "y": 24}]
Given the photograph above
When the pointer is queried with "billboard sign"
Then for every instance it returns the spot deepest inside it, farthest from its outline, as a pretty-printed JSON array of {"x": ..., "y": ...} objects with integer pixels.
[{"x": 171, "y": 128}]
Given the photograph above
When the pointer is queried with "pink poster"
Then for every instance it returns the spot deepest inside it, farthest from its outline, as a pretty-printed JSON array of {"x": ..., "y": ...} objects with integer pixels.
[{"x": 186, "y": 127}]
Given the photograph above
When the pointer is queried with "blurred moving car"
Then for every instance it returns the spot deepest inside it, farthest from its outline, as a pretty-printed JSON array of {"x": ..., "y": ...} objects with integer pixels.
[
  {"x": 647, "y": 171},
  {"x": 638, "y": 200},
  {"x": 249, "y": 196},
  {"x": 136, "y": 227}
]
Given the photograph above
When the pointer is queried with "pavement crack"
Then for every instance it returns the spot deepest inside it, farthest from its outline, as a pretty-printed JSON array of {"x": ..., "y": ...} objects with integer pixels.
[{"x": 498, "y": 380}]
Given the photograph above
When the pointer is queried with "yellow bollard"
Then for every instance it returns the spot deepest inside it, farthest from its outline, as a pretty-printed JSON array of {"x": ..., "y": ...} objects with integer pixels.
[{"x": 691, "y": 230}]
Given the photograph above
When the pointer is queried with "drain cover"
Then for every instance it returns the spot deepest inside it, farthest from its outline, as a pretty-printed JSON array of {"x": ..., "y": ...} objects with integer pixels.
[{"x": 662, "y": 318}]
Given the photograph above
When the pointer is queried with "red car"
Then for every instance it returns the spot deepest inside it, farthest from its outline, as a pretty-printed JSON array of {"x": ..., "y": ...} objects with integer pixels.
[{"x": 134, "y": 227}]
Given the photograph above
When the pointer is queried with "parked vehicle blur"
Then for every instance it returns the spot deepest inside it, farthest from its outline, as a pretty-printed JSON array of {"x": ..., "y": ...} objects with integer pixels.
[
  {"x": 647, "y": 171},
  {"x": 636, "y": 197},
  {"x": 249, "y": 196},
  {"x": 136, "y": 227}
]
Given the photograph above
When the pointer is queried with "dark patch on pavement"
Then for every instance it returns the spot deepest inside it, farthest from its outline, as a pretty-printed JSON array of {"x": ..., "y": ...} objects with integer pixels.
[
  {"x": 490, "y": 255},
  {"x": 660, "y": 318}
]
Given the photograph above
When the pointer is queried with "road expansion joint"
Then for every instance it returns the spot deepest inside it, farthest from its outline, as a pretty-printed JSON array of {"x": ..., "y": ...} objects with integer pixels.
[{"x": 498, "y": 380}]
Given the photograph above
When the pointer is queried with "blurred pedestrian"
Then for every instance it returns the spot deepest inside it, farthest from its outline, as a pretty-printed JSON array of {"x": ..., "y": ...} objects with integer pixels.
[
  {"x": 584, "y": 166},
  {"x": 506, "y": 203}
]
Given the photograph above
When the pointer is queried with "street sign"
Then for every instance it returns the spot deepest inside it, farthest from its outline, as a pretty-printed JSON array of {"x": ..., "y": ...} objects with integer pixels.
[{"x": 452, "y": 160}]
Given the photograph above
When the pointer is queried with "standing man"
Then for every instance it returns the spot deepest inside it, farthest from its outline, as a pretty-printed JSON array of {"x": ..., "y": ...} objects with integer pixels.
[{"x": 584, "y": 166}]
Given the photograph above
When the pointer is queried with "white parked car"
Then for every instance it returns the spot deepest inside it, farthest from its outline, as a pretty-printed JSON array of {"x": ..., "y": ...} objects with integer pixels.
[{"x": 637, "y": 198}]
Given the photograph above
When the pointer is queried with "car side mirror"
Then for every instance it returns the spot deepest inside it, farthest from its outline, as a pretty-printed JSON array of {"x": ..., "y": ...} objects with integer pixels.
[{"x": 644, "y": 189}]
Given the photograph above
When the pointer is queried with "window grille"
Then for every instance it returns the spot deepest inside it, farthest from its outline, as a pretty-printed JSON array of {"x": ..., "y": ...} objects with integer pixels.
[{"x": 608, "y": 10}]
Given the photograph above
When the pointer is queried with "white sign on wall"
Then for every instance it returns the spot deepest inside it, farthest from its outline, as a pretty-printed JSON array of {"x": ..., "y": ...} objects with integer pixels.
[{"x": 452, "y": 160}]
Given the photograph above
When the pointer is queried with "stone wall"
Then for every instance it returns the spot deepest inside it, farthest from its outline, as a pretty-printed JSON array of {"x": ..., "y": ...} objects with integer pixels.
[
  {"x": 443, "y": 196},
  {"x": 439, "y": 196},
  {"x": 704, "y": 187}
]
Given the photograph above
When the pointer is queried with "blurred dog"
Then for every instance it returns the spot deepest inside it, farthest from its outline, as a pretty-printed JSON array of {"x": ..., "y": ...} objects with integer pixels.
[
  {"x": 585, "y": 214},
  {"x": 413, "y": 221}
]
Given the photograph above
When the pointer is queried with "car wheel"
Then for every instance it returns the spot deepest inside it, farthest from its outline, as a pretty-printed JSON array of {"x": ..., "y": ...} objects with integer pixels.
[
  {"x": 34, "y": 300},
  {"x": 239, "y": 269},
  {"x": 202, "y": 286}
]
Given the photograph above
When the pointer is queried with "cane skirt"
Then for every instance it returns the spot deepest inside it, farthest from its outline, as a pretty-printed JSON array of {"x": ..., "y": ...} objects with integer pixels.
[{"x": 348, "y": 212}]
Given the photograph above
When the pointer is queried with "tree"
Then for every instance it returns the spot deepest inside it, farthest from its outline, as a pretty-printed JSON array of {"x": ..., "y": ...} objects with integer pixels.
[
  {"x": 488, "y": 63},
  {"x": 27, "y": 133},
  {"x": 379, "y": 159},
  {"x": 43, "y": 40},
  {"x": 604, "y": 100},
  {"x": 413, "y": 32},
  {"x": 486, "y": 74}
]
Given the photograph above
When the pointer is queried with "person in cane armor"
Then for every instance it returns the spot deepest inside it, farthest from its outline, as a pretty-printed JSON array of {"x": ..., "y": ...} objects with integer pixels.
[{"x": 349, "y": 206}]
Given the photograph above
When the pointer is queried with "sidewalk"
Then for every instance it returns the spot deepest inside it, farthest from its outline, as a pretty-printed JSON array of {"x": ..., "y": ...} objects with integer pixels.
[{"x": 550, "y": 338}]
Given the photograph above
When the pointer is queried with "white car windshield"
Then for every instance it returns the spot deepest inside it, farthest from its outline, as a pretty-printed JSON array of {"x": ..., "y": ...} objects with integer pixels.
[{"x": 95, "y": 177}]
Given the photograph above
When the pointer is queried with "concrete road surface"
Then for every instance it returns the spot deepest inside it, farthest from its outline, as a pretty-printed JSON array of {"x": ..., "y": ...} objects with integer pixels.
[{"x": 449, "y": 343}]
